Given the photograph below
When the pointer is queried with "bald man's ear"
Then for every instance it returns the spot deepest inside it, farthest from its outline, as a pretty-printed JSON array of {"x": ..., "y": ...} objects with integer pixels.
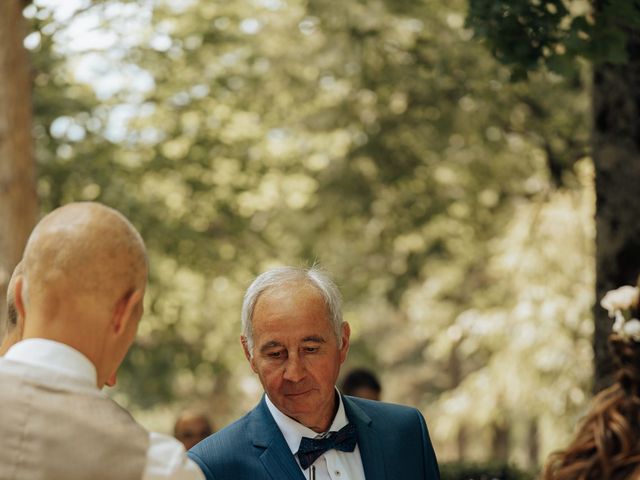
[
  {"x": 20, "y": 325},
  {"x": 128, "y": 312},
  {"x": 19, "y": 300}
]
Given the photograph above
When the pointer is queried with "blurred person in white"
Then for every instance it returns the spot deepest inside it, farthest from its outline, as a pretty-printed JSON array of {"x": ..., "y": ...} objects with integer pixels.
[
  {"x": 81, "y": 296},
  {"x": 12, "y": 328}
]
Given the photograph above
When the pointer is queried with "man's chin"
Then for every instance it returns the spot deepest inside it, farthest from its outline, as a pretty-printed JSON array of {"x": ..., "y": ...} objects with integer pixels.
[{"x": 298, "y": 404}]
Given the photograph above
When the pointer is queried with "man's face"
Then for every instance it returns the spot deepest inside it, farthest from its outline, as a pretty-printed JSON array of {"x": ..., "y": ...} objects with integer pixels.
[{"x": 296, "y": 353}]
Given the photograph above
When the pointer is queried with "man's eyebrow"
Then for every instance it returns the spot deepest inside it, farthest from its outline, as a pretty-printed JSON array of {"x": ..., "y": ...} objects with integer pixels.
[
  {"x": 271, "y": 344},
  {"x": 314, "y": 338}
]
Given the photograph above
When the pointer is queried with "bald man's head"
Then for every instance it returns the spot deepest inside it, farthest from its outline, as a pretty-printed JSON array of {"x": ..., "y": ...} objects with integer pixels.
[
  {"x": 84, "y": 249},
  {"x": 85, "y": 273}
]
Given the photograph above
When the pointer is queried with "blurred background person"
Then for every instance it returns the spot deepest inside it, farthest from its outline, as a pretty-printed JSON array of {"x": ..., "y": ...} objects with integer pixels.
[
  {"x": 192, "y": 427},
  {"x": 363, "y": 383},
  {"x": 11, "y": 330}
]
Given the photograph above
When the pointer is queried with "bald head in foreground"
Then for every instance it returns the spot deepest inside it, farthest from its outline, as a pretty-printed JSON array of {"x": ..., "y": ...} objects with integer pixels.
[
  {"x": 80, "y": 295},
  {"x": 295, "y": 341}
]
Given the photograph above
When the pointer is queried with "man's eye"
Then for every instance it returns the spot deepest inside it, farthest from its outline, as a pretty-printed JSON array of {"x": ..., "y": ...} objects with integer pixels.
[
  {"x": 274, "y": 354},
  {"x": 311, "y": 349}
]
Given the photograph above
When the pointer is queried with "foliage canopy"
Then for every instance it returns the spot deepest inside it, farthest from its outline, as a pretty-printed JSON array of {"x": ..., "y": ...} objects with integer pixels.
[{"x": 452, "y": 206}]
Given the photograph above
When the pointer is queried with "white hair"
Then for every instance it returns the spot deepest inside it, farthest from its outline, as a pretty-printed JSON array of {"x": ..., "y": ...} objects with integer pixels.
[{"x": 282, "y": 276}]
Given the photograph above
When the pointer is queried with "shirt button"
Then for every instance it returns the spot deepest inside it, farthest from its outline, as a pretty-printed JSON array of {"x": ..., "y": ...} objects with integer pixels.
[{"x": 337, "y": 472}]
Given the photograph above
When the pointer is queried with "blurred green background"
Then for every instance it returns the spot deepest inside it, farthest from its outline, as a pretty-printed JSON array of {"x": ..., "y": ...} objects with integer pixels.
[{"x": 453, "y": 206}]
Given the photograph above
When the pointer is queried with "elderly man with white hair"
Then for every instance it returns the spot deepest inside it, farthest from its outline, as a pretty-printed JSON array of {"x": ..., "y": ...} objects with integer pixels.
[{"x": 295, "y": 340}]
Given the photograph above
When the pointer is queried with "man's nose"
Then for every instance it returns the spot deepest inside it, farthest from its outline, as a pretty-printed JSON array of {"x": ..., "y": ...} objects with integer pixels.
[{"x": 294, "y": 369}]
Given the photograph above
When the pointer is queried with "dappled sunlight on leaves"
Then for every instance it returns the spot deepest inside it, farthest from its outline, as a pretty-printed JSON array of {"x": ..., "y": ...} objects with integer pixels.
[{"x": 379, "y": 141}]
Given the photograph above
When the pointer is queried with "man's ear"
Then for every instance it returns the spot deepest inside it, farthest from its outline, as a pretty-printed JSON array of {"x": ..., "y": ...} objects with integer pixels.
[
  {"x": 247, "y": 352},
  {"x": 20, "y": 325},
  {"x": 344, "y": 348},
  {"x": 19, "y": 300},
  {"x": 125, "y": 311}
]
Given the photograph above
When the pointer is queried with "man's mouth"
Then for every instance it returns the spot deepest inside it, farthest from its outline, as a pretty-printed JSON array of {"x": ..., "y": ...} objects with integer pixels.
[{"x": 296, "y": 394}]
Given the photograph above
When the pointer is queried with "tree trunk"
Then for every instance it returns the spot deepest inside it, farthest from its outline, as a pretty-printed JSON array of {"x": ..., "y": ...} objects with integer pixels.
[
  {"x": 455, "y": 375},
  {"x": 18, "y": 202},
  {"x": 500, "y": 441},
  {"x": 533, "y": 444},
  {"x": 462, "y": 440},
  {"x": 616, "y": 155}
]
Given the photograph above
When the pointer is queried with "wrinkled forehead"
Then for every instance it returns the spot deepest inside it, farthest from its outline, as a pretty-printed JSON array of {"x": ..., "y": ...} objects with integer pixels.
[
  {"x": 294, "y": 301},
  {"x": 287, "y": 313},
  {"x": 292, "y": 289}
]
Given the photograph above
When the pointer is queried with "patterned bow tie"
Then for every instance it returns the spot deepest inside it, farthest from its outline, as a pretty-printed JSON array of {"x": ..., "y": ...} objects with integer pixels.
[{"x": 311, "y": 448}]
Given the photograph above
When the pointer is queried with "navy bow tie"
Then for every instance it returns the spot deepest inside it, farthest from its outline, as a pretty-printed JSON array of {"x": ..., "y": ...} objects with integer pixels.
[{"x": 311, "y": 448}]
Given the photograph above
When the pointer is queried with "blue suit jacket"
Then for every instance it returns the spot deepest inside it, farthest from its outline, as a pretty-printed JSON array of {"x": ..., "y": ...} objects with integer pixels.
[{"x": 393, "y": 440}]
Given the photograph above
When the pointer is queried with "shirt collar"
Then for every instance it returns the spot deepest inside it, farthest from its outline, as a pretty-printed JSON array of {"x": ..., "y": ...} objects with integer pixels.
[
  {"x": 55, "y": 356},
  {"x": 293, "y": 431}
]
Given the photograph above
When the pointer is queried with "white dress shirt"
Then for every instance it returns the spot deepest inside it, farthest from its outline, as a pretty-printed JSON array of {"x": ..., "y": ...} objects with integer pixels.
[
  {"x": 333, "y": 464},
  {"x": 70, "y": 370}
]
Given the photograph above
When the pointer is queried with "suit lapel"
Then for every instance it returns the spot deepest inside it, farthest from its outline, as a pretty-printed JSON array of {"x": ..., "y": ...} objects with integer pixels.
[
  {"x": 277, "y": 459},
  {"x": 368, "y": 442},
  {"x": 279, "y": 463}
]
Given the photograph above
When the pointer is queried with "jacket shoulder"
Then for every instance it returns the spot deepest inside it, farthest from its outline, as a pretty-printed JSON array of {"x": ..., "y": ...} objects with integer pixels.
[
  {"x": 393, "y": 419},
  {"x": 231, "y": 452},
  {"x": 231, "y": 438},
  {"x": 383, "y": 409},
  {"x": 403, "y": 434}
]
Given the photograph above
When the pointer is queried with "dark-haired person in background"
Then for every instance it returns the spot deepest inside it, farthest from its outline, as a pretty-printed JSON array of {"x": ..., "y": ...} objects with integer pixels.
[
  {"x": 362, "y": 383},
  {"x": 192, "y": 427}
]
